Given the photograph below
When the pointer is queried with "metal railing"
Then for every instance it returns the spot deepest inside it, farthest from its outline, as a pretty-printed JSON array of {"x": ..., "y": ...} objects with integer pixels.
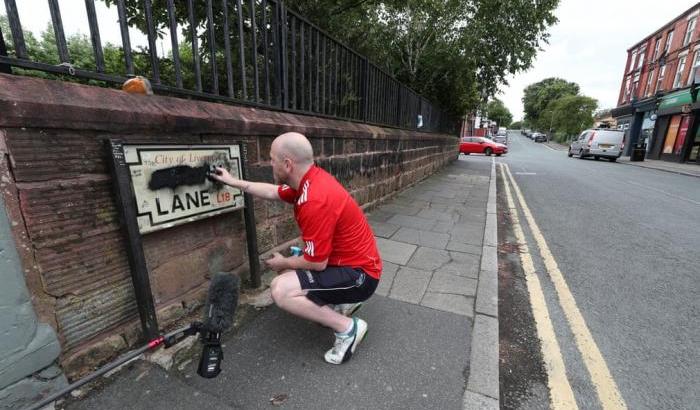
[{"x": 254, "y": 52}]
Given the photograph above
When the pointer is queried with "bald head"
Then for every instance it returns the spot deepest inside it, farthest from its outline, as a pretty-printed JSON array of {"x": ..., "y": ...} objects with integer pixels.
[{"x": 294, "y": 146}]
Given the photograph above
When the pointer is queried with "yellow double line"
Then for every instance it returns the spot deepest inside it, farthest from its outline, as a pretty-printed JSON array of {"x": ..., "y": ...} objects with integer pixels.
[{"x": 562, "y": 396}]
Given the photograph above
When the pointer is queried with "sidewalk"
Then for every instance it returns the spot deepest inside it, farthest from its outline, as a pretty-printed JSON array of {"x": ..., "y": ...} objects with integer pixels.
[
  {"x": 691, "y": 170},
  {"x": 433, "y": 323}
]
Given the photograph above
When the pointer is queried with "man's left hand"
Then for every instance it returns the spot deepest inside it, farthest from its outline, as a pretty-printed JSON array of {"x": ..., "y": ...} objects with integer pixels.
[{"x": 277, "y": 262}]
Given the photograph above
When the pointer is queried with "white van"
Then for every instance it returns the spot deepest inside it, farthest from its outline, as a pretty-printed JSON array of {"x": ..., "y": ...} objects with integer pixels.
[{"x": 598, "y": 143}]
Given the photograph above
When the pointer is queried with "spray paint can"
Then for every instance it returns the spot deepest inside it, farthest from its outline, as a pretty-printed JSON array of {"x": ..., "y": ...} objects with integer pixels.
[{"x": 295, "y": 250}]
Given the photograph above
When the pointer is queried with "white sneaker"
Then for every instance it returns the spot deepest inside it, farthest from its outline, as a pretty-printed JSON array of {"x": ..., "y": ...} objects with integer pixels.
[
  {"x": 345, "y": 346},
  {"x": 347, "y": 309}
]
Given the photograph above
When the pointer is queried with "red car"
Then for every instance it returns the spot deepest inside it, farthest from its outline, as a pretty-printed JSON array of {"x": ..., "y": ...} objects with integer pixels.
[{"x": 481, "y": 145}]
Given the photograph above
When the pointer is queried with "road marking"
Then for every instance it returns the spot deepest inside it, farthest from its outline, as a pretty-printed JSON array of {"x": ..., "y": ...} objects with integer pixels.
[
  {"x": 664, "y": 192},
  {"x": 548, "y": 147},
  {"x": 562, "y": 396},
  {"x": 606, "y": 388},
  {"x": 526, "y": 173}
]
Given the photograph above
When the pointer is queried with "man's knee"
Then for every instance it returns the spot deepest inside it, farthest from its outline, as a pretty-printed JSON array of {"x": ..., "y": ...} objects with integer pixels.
[{"x": 281, "y": 287}]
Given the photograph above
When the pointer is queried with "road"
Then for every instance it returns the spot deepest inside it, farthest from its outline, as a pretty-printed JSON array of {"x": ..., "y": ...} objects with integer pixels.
[{"x": 617, "y": 264}]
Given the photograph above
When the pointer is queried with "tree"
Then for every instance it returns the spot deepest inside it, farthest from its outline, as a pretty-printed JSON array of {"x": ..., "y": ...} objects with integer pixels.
[
  {"x": 454, "y": 52},
  {"x": 537, "y": 97},
  {"x": 517, "y": 125},
  {"x": 572, "y": 114},
  {"x": 497, "y": 111}
]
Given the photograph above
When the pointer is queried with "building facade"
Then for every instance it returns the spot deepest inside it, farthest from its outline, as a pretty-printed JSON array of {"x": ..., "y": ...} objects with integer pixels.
[{"x": 657, "y": 105}]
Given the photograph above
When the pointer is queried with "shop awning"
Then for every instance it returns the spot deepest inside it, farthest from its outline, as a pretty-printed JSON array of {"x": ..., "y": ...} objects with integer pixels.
[
  {"x": 622, "y": 111},
  {"x": 677, "y": 99}
]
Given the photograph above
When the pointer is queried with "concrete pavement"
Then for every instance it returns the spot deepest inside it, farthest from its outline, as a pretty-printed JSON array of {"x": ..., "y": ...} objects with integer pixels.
[{"x": 433, "y": 323}]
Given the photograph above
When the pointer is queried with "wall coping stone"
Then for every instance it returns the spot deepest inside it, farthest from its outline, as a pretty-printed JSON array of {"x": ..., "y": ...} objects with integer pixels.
[{"x": 52, "y": 104}]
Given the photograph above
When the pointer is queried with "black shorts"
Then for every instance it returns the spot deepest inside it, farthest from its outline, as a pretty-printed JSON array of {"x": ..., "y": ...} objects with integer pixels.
[{"x": 337, "y": 284}]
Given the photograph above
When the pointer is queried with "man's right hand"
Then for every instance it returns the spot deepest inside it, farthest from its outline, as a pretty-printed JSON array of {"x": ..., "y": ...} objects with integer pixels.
[{"x": 222, "y": 175}]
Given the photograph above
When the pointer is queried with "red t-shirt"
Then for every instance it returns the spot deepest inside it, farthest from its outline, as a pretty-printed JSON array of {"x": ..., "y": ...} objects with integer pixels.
[{"x": 332, "y": 225}]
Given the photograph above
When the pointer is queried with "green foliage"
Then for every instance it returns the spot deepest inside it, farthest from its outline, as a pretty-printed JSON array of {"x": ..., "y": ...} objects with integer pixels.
[
  {"x": 539, "y": 95},
  {"x": 571, "y": 114},
  {"x": 456, "y": 53},
  {"x": 517, "y": 125},
  {"x": 497, "y": 111}
]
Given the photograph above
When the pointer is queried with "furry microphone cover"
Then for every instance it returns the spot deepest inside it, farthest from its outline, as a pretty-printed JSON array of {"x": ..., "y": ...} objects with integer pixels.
[{"x": 221, "y": 302}]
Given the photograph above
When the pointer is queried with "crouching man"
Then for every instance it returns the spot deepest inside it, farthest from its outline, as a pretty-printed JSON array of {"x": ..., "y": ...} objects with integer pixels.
[{"x": 340, "y": 265}]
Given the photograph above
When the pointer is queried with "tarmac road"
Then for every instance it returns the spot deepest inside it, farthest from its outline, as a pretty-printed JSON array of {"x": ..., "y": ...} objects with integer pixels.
[{"x": 625, "y": 243}]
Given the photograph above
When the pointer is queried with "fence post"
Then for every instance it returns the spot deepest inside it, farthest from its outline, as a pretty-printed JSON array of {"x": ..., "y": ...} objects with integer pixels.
[
  {"x": 365, "y": 89},
  {"x": 4, "y": 68},
  {"x": 397, "y": 120},
  {"x": 282, "y": 36}
]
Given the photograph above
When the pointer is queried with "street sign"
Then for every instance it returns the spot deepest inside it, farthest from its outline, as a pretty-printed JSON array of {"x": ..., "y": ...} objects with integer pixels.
[{"x": 170, "y": 185}]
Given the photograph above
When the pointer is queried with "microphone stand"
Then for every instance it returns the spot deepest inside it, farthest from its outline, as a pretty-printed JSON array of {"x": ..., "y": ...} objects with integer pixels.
[{"x": 167, "y": 340}]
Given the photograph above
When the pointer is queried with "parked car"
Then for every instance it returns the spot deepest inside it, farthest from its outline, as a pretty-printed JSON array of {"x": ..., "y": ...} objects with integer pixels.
[
  {"x": 598, "y": 143},
  {"x": 539, "y": 137},
  {"x": 481, "y": 145},
  {"x": 502, "y": 131},
  {"x": 501, "y": 139}
]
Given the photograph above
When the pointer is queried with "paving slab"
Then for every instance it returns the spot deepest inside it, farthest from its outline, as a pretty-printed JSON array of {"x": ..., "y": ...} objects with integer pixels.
[
  {"x": 412, "y": 222},
  {"x": 467, "y": 270},
  {"x": 459, "y": 304},
  {"x": 387, "y": 279},
  {"x": 423, "y": 238},
  {"x": 438, "y": 215},
  {"x": 401, "y": 209},
  {"x": 383, "y": 229},
  {"x": 463, "y": 247},
  {"x": 442, "y": 227},
  {"x": 428, "y": 258},
  {"x": 410, "y": 284},
  {"x": 468, "y": 236},
  {"x": 446, "y": 283},
  {"x": 394, "y": 251}
]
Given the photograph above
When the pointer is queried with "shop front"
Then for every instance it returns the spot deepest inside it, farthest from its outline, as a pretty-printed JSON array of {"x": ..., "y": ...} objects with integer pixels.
[
  {"x": 674, "y": 128},
  {"x": 624, "y": 117}
]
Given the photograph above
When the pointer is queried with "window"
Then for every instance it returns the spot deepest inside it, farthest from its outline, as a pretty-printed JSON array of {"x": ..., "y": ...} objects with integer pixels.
[
  {"x": 650, "y": 79},
  {"x": 626, "y": 96},
  {"x": 635, "y": 86},
  {"x": 679, "y": 71},
  {"x": 660, "y": 79},
  {"x": 669, "y": 40},
  {"x": 657, "y": 46},
  {"x": 640, "y": 60},
  {"x": 633, "y": 61},
  {"x": 696, "y": 64},
  {"x": 689, "y": 31}
]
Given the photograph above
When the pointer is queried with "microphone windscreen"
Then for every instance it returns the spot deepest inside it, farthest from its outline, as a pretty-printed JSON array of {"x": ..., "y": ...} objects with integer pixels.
[{"x": 221, "y": 302}]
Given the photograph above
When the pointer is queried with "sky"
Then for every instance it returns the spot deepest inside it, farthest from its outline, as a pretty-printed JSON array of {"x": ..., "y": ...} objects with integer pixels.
[{"x": 589, "y": 46}]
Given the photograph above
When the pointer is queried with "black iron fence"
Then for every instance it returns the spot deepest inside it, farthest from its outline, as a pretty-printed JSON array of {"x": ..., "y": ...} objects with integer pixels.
[{"x": 252, "y": 52}]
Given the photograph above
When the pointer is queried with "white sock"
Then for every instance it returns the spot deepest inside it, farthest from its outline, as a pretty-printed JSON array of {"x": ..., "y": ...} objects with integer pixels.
[{"x": 349, "y": 330}]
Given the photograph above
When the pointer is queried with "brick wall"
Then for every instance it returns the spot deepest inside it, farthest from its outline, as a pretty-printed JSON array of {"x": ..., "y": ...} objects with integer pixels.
[{"x": 59, "y": 197}]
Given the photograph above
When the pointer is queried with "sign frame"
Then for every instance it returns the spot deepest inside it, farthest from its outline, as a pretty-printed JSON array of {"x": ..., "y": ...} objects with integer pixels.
[
  {"x": 127, "y": 207},
  {"x": 140, "y": 160}
]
